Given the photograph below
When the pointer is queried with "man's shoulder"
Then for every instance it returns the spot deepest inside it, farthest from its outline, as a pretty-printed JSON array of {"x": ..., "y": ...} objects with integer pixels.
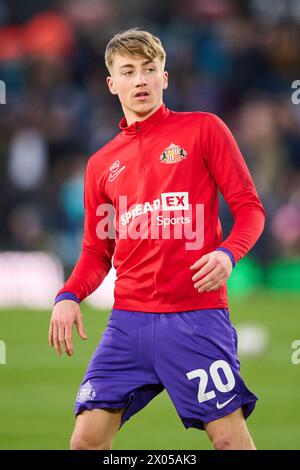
[{"x": 193, "y": 117}]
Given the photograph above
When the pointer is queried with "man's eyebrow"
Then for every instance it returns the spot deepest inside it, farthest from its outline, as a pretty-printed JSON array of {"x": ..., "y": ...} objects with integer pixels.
[{"x": 146, "y": 62}]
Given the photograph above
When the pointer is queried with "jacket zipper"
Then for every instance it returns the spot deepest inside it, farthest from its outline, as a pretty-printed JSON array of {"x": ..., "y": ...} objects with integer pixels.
[{"x": 140, "y": 161}]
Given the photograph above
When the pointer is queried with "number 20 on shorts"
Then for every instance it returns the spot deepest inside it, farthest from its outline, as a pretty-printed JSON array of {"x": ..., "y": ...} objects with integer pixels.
[{"x": 204, "y": 395}]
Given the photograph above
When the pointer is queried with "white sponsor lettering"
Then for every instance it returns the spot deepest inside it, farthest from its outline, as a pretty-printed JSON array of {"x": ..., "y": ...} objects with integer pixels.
[
  {"x": 165, "y": 221},
  {"x": 169, "y": 201},
  {"x": 133, "y": 221},
  {"x": 175, "y": 201},
  {"x": 139, "y": 209}
]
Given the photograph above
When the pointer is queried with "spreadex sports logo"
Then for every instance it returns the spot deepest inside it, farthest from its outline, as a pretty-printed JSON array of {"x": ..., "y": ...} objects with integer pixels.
[
  {"x": 169, "y": 216},
  {"x": 174, "y": 201},
  {"x": 173, "y": 154},
  {"x": 115, "y": 170}
]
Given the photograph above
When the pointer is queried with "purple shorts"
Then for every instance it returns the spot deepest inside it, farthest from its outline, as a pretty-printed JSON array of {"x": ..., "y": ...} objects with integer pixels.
[{"x": 193, "y": 355}]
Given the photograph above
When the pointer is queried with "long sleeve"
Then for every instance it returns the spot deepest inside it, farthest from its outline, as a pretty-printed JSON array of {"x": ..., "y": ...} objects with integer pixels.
[
  {"x": 94, "y": 262},
  {"x": 230, "y": 172}
]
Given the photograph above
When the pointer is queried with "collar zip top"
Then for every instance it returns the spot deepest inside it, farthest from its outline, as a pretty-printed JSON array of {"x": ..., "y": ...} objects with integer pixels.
[{"x": 139, "y": 126}]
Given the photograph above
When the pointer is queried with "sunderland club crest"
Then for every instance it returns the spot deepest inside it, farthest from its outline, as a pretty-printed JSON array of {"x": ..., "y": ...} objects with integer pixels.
[
  {"x": 173, "y": 154},
  {"x": 86, "y": 393}
]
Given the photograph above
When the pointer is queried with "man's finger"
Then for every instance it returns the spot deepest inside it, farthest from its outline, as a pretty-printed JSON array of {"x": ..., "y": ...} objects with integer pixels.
[
  {"x": 210, "y": 284},
  {"x": 69, "y": 340},
  {"x": 208, "y": 277},
  {"x": 214, "y": 275},
  {"x": 217, "y": 285},
  {"x": 55, "y": 339},
  {"x": 50, "y": 337},
  {"x": 203, "y": 260},
  {"x": 80, "y": 328},
  {"x": 61, "y": 338},
  {"x": 204, "y": 270}
]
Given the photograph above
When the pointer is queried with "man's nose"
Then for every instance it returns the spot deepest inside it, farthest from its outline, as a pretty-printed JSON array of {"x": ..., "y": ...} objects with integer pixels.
[{"x": 140, "y": 79}]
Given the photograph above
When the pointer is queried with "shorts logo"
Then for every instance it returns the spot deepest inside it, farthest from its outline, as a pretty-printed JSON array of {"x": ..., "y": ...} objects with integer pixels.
[
  {"x": 115, "y": 170},
  {"x": 86, "y": 392},
  {"x": 173, "y": 154},
  {"x": 221, "y": 405}
]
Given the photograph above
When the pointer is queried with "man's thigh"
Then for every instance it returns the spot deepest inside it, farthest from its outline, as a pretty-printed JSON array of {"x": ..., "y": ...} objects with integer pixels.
[
  {"x": 196, "y": 360},
  {"x": 98, "y": 426},
  {"x": 121, "y": 372},
  {"x": 230, "y": 432}
]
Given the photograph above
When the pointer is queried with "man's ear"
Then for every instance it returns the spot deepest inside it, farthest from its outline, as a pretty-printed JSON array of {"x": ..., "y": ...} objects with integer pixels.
[
  {"x": 111, "y": 86},
  {"x": 166, "y": 77}
]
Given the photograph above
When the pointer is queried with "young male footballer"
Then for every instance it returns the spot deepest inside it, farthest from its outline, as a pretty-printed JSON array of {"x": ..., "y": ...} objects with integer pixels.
[{"x": 169, "y": 327}]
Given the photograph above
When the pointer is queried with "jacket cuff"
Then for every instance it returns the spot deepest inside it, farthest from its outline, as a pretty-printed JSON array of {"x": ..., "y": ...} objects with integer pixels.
[
  {"x": 228, "y": 252},
  {"x": 66, "y": 296}
]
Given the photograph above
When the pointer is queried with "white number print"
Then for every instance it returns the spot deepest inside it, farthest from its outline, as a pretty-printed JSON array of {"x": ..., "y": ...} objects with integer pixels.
[{"x": 203, "y": 395}]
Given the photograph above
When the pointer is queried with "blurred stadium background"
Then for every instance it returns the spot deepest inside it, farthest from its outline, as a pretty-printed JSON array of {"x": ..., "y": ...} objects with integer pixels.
[{"x": 235, "y": 58}]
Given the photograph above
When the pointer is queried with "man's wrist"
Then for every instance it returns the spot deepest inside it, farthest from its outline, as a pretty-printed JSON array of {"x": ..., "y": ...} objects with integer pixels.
[
  {"x": 66, "y": 296},
  {"x": 228, "y": 252}
]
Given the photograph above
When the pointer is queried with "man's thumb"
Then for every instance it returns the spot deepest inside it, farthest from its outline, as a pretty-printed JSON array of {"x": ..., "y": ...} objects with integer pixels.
[{"x": 80, "y": 328}]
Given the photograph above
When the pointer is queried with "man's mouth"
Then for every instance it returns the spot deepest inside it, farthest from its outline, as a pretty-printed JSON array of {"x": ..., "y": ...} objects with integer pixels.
[{"x": 141, "y": 94}]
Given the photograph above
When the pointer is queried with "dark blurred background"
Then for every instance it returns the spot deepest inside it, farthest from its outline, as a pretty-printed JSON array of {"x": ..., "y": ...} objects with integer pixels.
[{"x": 235, "y": 58}]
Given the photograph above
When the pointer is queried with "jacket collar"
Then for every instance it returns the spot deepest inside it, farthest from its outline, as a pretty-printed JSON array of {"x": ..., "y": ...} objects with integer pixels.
[{"x": 161, "y": 113}]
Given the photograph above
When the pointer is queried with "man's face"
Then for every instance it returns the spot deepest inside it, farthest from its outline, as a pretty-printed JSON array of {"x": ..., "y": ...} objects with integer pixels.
[{"x": 139, "y": 84}]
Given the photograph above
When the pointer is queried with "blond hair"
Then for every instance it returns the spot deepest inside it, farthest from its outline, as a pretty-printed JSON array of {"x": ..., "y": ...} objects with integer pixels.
[{"x": 134, "y": 42}]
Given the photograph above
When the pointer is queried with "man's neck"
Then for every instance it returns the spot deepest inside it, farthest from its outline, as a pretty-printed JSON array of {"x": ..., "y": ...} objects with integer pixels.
[{"x": 132, "y": 117}]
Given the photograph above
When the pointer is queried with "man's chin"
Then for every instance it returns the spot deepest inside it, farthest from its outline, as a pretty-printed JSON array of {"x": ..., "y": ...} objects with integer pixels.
[{"x": 142, "y": 109}]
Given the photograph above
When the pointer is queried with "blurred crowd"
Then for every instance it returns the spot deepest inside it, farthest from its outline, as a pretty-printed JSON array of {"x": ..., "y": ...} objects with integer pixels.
[{"x": 235, "y": 58}]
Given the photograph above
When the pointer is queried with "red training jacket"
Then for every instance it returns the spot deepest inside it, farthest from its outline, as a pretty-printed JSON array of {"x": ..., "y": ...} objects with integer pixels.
[{"x": 161, "y": 177}]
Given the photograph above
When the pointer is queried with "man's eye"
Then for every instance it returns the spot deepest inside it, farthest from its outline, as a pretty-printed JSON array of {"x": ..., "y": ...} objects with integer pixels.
[
  {"x": 128, "y": 73},
  {"x": 151, "y": 69}
]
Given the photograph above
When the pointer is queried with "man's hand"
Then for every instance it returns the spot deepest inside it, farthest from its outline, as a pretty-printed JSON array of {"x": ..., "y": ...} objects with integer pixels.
[
  {"x": 64, "y": 315},
  {"x": 213, "y": 270}
]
